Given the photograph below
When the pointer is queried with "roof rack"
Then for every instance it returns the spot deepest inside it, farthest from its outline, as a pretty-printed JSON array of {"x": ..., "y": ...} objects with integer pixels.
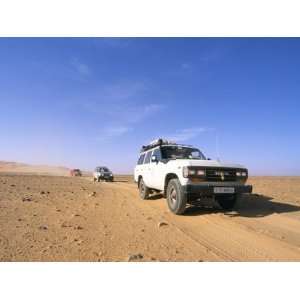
[{"x": 155, "y": 143}]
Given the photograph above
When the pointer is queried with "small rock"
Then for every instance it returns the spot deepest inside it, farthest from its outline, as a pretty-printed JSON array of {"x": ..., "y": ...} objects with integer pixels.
[
  {"x": 65, "y": 224},
  {"x": 78, "y": 227},
  {"x": 13, "y": 185},
  {"x": 42, "y": 193},
  {"x": 26, "y": 199},
  {"x": 160, "y": 224},
  {"x": 43, "y": 227},
  {"x": 135, "y": 257},
  {"x": 93, "y": 194}
]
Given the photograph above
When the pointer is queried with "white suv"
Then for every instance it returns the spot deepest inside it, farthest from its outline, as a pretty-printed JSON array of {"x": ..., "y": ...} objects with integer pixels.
[
  {"x": 185, "y": 175},
  {"x": 103, "y": 173}
]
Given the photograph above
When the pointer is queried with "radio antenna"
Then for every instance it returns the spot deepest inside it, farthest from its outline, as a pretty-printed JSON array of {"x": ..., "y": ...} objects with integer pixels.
[{"x": 217, "y": 147}]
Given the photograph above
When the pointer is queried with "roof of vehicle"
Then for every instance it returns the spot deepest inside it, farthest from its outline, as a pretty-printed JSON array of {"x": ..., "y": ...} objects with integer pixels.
[
  {"x": 161, "y": 142},
  {"x": 102, "y": 167}
]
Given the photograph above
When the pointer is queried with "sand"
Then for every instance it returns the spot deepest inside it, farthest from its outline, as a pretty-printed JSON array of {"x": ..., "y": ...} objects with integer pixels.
[{"x": 61, "y": 218}]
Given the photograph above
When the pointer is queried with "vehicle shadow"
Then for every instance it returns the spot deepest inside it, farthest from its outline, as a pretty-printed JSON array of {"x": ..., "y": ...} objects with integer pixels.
[
  {"x": 157, "y": 196},
  {"x": 250, "y": 206}
]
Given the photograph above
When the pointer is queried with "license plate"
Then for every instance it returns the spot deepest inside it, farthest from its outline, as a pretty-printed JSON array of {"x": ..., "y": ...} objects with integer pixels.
[{"x": 223, "y": 190}]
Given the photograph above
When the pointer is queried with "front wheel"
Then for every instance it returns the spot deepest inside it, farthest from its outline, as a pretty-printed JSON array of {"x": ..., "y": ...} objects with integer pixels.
[
  {"x": 144, "y": 190},
  {"x": 227, "y": 202},
  {"x": 176, "y": 198}
]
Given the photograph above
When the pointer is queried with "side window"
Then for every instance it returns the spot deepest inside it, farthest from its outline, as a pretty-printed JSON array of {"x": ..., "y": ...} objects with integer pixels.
[
  {"x": 141, "y": 159},
  {"x": 148, "y": 157},
  {"x": 157, "y": 153}
]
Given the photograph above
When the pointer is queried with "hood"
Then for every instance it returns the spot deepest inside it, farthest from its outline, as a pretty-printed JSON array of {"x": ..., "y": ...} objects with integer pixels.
[{"x": 206, "y": 163}]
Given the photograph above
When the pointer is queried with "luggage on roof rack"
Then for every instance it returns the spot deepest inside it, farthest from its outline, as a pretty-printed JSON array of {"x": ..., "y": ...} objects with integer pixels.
[{"x": 155, "y": 143}]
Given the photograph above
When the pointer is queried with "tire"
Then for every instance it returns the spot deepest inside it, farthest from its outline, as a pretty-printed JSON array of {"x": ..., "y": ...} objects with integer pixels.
[
  {"x": 176, "y": 198},
  {"x": 95, "y": 179},
  {"x": 227, "y": 202},
  {"x": 144, "y": 190},
  {"x": 98, "y": 179}
]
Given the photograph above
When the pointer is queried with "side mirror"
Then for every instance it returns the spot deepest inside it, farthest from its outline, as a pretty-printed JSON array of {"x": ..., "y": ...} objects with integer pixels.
[
  {"x": 208, "y": 158},
  {"x": 154, "y": 158}
]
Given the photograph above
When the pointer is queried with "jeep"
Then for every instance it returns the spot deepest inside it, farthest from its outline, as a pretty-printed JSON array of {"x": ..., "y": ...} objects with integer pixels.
[
  {"x": 185, "y": 176},
  {"x": 75, "y": 172},
  {"x": 103, "y": 173}
]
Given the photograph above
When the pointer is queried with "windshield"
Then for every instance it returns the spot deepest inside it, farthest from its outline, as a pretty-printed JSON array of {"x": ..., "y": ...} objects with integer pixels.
[
  {"x": 102, "y": 169},
  {"x": 178, "y": 152}
]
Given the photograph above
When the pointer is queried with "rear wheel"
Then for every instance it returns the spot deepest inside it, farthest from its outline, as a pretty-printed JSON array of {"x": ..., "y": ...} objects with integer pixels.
[
  {"x": 144, "y": 190},
  {"x": 176, "y": 198},
  {"x": 227, "y": 202}
]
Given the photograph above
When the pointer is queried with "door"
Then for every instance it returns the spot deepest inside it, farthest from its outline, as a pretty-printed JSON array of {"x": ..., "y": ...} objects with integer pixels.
[
  {"x": 147, "y": 170},
  {"x": 158, "y": 170}
]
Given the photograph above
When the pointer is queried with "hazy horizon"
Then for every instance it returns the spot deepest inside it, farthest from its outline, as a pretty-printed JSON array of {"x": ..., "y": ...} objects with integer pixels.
[{"x": 83, "y": 102}]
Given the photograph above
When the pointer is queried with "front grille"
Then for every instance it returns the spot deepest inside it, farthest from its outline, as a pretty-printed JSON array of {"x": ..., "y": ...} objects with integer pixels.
[{"x": 218, "y": 174}]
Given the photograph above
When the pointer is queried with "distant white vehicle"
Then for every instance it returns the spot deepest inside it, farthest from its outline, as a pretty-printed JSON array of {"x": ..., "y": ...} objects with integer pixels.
[
  {"x": 185, "y": 175},
  {"x": 103, "y": 173}
]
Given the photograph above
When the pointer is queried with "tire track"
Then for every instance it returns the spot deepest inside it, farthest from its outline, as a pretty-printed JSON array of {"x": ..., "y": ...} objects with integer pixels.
[{"x": 230, "y": 238}]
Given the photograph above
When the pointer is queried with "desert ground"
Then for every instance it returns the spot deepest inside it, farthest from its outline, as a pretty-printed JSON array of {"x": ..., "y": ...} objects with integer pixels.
[{"x": 45, "y": 217}]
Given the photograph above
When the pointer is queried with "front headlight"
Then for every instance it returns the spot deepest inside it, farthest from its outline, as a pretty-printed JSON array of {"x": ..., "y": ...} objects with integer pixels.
[
  {"x": 201, "y": 173},
  {"x": 241, "y": 174},
  {"x": 193, "y": 172}
]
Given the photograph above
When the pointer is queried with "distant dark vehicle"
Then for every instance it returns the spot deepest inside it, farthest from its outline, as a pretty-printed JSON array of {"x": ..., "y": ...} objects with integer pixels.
[
  {"x": 75, "y": 172},
  {"x": 103, "y": 173}
]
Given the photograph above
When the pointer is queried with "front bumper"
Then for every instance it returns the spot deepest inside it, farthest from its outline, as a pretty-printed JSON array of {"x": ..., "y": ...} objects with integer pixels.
[
  {"x": 207, "y": 189},
  {"x": 106, "y": 177}
]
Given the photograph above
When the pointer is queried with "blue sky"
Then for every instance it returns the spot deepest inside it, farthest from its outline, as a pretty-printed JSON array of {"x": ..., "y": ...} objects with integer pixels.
[{"x": 95, "y": 101}]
